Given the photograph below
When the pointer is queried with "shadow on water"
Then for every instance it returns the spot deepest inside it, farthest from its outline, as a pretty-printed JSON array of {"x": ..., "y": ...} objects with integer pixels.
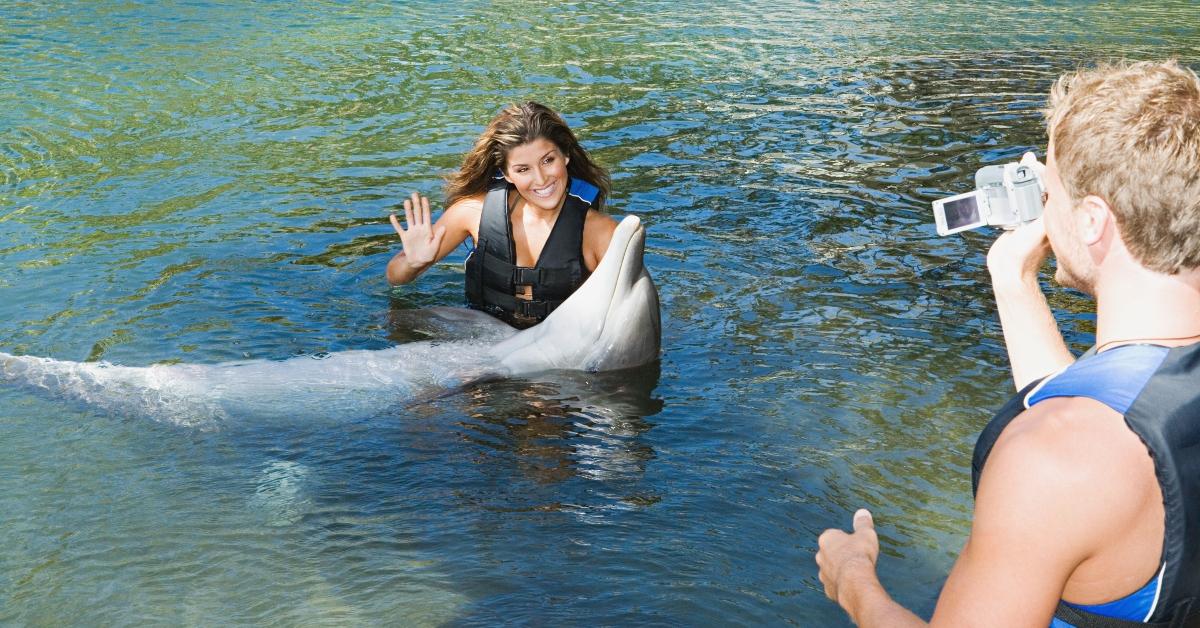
[
  {"x": 376, "y": 505},
  {"x": 576, "y": 425}
]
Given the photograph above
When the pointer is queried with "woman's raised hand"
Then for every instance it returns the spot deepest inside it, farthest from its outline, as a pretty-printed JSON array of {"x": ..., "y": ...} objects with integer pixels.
[{"x": 421, "y": 240}]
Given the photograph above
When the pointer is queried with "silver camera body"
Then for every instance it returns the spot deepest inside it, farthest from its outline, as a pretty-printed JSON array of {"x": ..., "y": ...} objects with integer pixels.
[{"x": 1006, "y": 196}]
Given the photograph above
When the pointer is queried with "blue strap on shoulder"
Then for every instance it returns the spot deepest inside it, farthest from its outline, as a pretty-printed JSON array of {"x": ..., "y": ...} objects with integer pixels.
[
  {"x": 1115, "y": 377},
  {"x": 1133, "y": 607},
  {"x": 583, "y": 191}
]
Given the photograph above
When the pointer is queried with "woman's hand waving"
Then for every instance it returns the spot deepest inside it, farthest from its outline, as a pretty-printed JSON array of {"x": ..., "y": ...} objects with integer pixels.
[{"x": 421, "y": 241}]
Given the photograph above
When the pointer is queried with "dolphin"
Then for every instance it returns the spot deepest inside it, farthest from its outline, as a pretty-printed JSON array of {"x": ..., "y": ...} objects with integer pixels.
[{"x": 611, "y": 322}]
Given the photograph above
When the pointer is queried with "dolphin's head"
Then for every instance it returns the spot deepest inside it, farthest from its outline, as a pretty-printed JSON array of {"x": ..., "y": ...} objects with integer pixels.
[{"x": 610, "y": 322}]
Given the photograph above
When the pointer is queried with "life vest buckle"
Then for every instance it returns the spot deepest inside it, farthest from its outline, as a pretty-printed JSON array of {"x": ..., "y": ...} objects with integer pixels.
[
  {"x": 526, "y": 308},
  {"x": 525, "y": 276}
]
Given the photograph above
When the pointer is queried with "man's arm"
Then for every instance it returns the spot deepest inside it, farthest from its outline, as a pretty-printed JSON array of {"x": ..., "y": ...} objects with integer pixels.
[
  {"x": 847, "y": 569},
  {"x": 1032, "y": 527},
  {"x": 1049, "y": 496},
  {"x": 1035, "y": 346}
]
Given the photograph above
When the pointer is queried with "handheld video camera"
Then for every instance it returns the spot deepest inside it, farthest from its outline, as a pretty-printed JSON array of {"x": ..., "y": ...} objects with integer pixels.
[{"x": 1006, "y": 196}]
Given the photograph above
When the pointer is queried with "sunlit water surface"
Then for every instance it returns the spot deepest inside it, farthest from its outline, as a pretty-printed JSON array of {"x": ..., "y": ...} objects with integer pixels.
[{"x": 192, "y": 182}]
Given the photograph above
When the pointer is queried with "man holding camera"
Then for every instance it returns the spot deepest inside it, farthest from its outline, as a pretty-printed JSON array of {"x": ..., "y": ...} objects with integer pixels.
[{"x": 1087, "y": 502}]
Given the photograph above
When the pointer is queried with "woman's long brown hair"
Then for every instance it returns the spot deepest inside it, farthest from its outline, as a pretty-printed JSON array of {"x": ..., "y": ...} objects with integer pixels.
[{"x": 516, "y": 125}]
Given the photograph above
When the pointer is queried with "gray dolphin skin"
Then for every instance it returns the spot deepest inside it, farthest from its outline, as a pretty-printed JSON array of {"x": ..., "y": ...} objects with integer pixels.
[{"x": 611, "y": 322}]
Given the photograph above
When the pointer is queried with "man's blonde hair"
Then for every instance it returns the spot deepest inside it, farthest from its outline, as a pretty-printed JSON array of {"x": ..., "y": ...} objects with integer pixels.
[{"x": 1130, "y": 134}]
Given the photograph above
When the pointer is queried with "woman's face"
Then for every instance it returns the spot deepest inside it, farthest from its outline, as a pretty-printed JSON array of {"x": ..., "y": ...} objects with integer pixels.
[{"x": 538, "y": 169}]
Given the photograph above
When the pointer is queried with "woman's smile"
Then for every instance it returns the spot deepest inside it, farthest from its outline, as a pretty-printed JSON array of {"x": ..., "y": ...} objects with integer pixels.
[{"x": 545, "y": 192}]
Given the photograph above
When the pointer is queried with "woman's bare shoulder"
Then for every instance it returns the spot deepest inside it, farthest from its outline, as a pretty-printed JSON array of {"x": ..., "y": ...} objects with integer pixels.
[
  {"x": 598, "y": 230},
  {"x": 601, "y": 224},
  {"x": 473, "y": 204},
  {"x": 464, "y": 213}
]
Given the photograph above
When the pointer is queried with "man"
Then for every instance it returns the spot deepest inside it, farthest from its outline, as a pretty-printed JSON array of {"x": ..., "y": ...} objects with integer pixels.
[{"x": 1087, "y": 504}]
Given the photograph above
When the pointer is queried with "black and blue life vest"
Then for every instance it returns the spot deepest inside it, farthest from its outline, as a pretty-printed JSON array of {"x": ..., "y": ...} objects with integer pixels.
[
  {"x": 1157, "y": 389},
  {"x": 493, "y": 277}
]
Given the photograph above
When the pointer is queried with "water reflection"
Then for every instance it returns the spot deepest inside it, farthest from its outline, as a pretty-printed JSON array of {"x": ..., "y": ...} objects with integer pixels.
[{"x": 569, "y": 427}]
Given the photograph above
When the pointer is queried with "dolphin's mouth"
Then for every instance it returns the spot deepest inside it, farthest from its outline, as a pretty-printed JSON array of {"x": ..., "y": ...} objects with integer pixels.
[{"x": 629, "y": 272}]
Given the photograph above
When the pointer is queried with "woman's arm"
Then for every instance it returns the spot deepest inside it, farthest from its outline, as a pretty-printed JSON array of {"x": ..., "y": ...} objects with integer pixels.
[{"x": 425, "y": 244}]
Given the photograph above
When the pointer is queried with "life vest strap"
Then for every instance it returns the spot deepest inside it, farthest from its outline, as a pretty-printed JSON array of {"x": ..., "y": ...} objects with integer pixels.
[
  {"x": 516, "y": 311},
  {"x": 1183, "y": 617}
]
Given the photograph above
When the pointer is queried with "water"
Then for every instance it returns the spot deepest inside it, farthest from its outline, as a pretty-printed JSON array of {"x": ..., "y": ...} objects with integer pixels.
[{"x": 191, "y": 182}]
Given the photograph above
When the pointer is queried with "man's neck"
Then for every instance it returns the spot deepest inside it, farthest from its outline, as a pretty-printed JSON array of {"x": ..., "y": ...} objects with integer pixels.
[{"x": 1143, "y": 305}]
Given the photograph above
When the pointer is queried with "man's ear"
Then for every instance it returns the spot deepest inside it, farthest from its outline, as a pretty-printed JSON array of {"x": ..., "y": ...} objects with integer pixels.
[{"x": 1092, "y": 218}]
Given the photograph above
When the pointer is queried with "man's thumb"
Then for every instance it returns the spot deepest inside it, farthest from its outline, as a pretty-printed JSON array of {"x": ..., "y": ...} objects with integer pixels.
[{"x": 863, "y": 520}]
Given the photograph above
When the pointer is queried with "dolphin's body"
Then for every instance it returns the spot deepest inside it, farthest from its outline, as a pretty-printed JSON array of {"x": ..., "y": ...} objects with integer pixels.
[{"x": 610, "y": 322}]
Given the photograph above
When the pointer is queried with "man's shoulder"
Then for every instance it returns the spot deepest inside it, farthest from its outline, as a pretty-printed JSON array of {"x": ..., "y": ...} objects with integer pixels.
[
  {"x": 1059, "y": 492},
  {"x": 1072, "y": 431},
  {"x": 1070, "y": 452}
]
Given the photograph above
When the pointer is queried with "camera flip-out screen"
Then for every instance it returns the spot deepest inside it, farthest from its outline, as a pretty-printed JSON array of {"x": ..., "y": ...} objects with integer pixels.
[
  {"x": 964, "y": 211},
  {"x": 958, "y": 213}
]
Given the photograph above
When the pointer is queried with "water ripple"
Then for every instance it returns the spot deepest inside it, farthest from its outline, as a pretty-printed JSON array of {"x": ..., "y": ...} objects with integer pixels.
[{"x": 201, "y": 182}]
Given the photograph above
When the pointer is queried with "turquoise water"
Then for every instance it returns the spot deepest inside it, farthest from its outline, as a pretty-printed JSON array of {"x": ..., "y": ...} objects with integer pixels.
[{"x": 194, "y": 182}]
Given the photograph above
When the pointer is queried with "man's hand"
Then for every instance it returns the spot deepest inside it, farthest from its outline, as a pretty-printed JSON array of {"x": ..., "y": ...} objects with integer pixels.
[
  {"x": 1016, "y": 256},
  {"x": 841, "y": 556},
  {"x": 1030, "y": 159}
]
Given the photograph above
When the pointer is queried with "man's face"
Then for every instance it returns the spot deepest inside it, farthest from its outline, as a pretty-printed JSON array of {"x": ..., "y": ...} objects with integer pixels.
[{"x": 1075, "y": 268}]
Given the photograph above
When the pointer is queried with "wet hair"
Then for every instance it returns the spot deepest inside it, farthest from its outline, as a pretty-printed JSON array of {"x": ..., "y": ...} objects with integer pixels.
[
  {"x": 1130, "y": 133},
  {"x": 516, "y": 125}
]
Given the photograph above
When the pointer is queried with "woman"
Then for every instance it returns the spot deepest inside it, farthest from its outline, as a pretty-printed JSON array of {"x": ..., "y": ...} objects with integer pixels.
[{"x": 530, "y": 197}]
